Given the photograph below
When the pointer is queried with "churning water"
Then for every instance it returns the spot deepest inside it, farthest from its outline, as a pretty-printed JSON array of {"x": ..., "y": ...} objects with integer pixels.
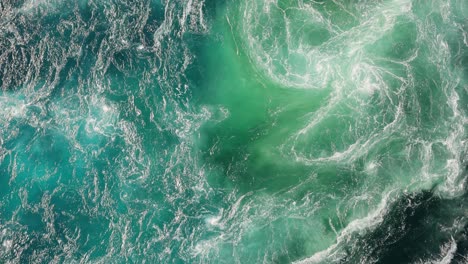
[{"x": 233, "y": 131}]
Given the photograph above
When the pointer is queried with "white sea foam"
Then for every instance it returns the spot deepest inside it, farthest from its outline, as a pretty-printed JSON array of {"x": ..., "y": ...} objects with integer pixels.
[
  {"x": 267, "y": 53},
  {"x": 356, "y": 226},
  {"x": 13, "y": 107},
  {"x": 447, "y": 253}
]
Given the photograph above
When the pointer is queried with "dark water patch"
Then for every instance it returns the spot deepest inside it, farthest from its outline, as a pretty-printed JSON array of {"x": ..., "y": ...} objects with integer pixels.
[{"x": 416, "y": 228}]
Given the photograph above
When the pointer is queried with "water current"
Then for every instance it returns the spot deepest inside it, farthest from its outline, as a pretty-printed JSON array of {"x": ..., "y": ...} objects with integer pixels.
[{"x": 233, "y": 131}]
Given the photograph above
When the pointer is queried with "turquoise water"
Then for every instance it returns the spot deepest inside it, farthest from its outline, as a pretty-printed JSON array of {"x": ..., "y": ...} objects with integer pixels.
[{"x": 249, "y": 131}]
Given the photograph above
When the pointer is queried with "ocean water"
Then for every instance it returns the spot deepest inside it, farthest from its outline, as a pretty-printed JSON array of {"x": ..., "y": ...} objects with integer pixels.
[{"x": 233, "y": 131}]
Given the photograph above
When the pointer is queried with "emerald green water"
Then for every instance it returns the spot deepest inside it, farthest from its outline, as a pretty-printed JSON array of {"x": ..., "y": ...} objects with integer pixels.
[{"x": 260, "y": 131}]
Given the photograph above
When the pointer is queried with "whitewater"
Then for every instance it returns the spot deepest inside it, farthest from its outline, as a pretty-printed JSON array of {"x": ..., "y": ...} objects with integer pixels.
[{"x": 248, "y": 131}]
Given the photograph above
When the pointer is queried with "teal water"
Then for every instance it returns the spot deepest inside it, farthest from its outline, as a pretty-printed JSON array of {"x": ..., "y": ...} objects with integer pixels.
[{"x": 249, "y": 131}]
